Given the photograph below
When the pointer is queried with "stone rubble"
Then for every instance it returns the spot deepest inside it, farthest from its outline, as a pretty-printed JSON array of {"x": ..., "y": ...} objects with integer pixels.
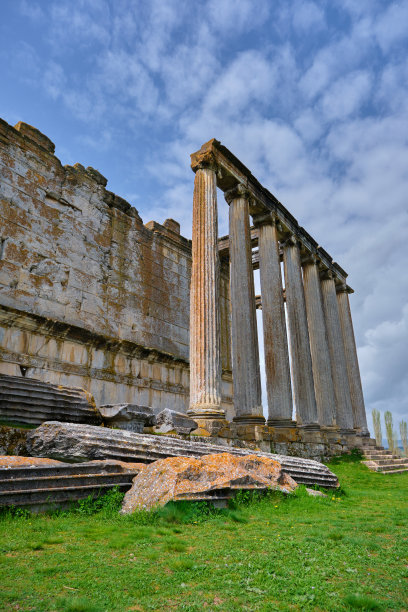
[
  {"x": 131, "y": 417},
  {"x": 186, "y": 478},
  {"x": 171, "y": 421},
  {"x": 31, "y": 402},
  {"x": 77, "y": 443}
]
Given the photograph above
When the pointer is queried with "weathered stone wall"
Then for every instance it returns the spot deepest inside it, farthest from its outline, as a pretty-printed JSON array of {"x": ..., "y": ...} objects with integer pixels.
[{"x": 89, "y": 296}]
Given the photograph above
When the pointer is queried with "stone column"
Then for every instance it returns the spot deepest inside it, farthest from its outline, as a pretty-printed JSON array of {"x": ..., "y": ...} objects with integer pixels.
[
  {"x": 205, "y": 354},
  {"x": 274, "y": 325},
  {"x": 319, "y": 346},
  {"x": 353, "y": 370},
  {"x": 245, "y": 351},
  {"x": 302, "y": 374},
  {"x": 344, "y": 411}
]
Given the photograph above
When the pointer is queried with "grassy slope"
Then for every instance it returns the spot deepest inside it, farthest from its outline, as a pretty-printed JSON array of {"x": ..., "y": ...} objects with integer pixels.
[{"x": 301, "y": 553}]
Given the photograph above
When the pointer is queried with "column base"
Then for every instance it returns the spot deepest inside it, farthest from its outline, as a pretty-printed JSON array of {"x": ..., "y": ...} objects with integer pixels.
[
  {"x": 206, "y": 412},
  {"x": 310, "y": 427},
  {"x": 288, "y": 423},
  {"x": 362, "y": 432},
  {"x": 249, "y": 419}
]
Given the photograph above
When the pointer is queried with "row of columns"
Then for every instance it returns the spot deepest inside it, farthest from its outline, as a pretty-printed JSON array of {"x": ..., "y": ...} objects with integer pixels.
[{"x": 323, "y": 376}]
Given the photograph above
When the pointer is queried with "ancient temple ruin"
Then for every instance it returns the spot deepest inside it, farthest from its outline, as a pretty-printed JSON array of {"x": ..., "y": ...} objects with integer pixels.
[
  {"x": 92, "y": 297},
  {"x": 322, "y": 375}
]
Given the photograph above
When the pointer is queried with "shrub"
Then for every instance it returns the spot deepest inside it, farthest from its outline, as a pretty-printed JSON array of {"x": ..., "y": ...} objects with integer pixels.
[
  {"x": 377, "y": 426},
  {"x": 404, "y": 436},
  {"x": 389, "y": 430}
]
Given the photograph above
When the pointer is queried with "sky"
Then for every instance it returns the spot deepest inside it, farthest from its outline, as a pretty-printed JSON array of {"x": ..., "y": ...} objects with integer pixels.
[{"x": 310, "y": 95}]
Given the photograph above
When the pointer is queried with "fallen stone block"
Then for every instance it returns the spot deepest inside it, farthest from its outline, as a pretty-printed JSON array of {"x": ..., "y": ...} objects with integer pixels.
[
  {"x": 131, "y": 417},
  {"x": 76, "y": 443},
  {"x": 210, "y": 477},
  {"x": 40, "y": 484},
  {"x": 29, "y": 401},
  {"x": 171, "y": 421}
]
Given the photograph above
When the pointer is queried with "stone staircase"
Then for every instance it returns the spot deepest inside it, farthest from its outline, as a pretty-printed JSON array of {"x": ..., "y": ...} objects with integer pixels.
[
  {"x": 72, "y": 442},
  {"x": 381, "y": 460},
  {"x": 39, "y": 488},
  {"x": 29, "y": 401}
]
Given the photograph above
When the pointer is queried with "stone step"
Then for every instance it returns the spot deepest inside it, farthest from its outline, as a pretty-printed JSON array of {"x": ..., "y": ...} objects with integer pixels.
[
  {"x": 379, "y": 457},
  {"x": 72, "y": 442},
  {"x": 392, "y": 466},
  {"x": 393, "y": 471},
  {"x": 390, "y": 460}
]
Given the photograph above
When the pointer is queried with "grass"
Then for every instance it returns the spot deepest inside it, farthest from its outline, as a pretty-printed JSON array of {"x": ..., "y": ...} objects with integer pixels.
[{"x": 345, "y": 552}]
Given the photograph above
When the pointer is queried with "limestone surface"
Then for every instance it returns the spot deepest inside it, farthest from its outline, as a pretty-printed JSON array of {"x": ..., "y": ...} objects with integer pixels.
[
  {"x": 77, "y": 443},
  {"x": 127, "y": 416},
  {"x": 178, "y": 478},
  {"x": 169, "y": 420}
]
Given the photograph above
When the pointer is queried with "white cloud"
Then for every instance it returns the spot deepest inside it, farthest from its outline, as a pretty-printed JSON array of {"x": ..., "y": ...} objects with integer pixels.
[
  {"x": 32, "y": 10},
  {"x": 233, "y": 17},
  {"x": 391, "y": 26},
  {"x": 54, "y": 80},
  {"x": 307, "y": 15},
  {"x": 346, "y": 95}
]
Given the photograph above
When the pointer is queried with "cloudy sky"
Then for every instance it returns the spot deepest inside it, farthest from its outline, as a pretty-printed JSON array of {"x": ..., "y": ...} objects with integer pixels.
[{"x": 311, "y": 96}]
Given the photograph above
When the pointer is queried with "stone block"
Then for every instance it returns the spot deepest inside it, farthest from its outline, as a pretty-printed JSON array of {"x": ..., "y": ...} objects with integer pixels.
[
  {"x": 73, "y": 443},
  {"x": 131, "y": 417},
  {"x": 171, "y": 421}
]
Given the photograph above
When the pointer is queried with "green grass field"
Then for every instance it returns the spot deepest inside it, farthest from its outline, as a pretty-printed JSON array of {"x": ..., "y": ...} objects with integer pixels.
[{"x": 346, "y": 552}]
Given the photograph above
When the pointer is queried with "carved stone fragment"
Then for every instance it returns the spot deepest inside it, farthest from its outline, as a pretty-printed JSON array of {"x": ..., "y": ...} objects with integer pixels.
[
  {"x": 127, "y": 416},
  {"x": 169, "y": 420},
  {"x": 77, "y": 443}
]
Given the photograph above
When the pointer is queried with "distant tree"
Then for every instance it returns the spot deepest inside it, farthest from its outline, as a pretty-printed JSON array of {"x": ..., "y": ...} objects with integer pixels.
[
  {"x": 389, "y": 431},
  {"x": 404, "y": 436},
  {"x": 377, "y": 426}
]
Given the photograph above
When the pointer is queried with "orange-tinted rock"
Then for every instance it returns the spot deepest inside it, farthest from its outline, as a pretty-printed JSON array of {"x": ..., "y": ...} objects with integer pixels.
[
  {"x": 177, "y": 477},
  {"x": 14, "y": 462}
]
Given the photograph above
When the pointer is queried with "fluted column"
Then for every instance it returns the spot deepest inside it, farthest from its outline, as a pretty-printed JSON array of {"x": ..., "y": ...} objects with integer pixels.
[
  {"x": 302, "y": 374},
  {"x": 274, "y": 325},
  {"x": 319, "y": 347},
  {"x": 205, "y": 354},
  {"x": 344, "y": 411},
  {"x": 353, "y": 370},
  {"x": 245, "y": 351}
]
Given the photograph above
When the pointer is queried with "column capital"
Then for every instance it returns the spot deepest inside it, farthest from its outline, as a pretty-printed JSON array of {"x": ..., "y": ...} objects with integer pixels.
[
  {"x": 239, "y": 191},
  {"x": 265, "y": 218},
  {"x": 203, "y": 159},
  {"x": 326, "y": 274},
  {"x": 291, "y": 240},
  {"x": 310, "y": 258},
  {"x": 343, "y": 288}
]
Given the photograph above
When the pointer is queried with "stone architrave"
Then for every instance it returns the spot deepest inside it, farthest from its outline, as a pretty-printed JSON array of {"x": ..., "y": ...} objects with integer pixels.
[
  {"x": 277, "y": 365},
  {"x": 205, "y": 353},
  {"x": 353, "y": 370},
  {"x": 245, "y": 352},
  {"x": 344, "y": 411},
  {"x": 302, "y": 373},
  {"x": 319, "y": 346}
]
